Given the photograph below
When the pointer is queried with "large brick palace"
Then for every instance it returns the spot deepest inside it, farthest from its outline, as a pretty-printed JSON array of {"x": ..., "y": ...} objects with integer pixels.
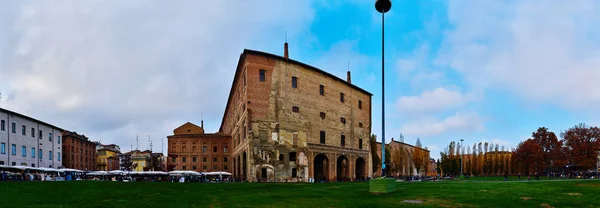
[{"x": 285, "y": 121}]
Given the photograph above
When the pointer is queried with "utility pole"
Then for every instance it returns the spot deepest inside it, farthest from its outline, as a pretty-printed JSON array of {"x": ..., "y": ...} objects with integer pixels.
[
  {"x": 137, "y": 142},
  {"x": 150, "y": 141}
]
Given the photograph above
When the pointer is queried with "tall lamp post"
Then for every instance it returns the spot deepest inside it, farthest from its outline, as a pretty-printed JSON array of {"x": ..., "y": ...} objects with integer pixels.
[
  {"x": 461, "y": 156},
  {"x": 383, "y": 6}
]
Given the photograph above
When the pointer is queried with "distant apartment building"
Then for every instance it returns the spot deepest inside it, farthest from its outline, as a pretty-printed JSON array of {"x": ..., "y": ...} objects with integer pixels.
[
  {"x": 107, "y": 157},
  {"x": 27, "y": 141},
  {"x": 78, "y": 151},
  {"x": 192, "y": 149}
]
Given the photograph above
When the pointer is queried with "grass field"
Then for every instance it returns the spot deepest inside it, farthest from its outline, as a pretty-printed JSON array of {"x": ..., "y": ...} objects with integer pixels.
[{"x": 472, "y": 193}]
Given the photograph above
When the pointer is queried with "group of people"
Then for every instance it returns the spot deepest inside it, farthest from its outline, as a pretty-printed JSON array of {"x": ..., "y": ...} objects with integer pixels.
[{"x": 25, "y": 176}]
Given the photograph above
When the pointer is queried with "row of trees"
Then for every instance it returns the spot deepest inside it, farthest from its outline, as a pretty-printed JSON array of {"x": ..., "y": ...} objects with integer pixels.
[{"x": 543, "y": 152}]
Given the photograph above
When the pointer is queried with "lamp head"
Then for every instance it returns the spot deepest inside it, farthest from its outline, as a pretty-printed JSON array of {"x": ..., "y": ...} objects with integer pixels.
[{"x": 383, "y": 6}]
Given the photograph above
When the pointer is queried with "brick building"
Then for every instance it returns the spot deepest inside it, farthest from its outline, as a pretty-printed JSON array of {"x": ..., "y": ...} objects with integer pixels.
[
  {"x": 78, "y": 151},
  {"x": 192, "y": 149},
  {"x": 289, "y": 121},
  {"x": 402, "y": 163}
]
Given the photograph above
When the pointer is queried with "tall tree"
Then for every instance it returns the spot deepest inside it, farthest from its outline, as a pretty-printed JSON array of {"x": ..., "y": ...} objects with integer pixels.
[
  {"x": 398, "y": 160},
  {"x": 374, "y": 157},
  {"x": 551, "y": 147},
  {"x": 581, "y": 143},
  {"x": 529, "y": 156},
  {"x": 417, "y": 159}
]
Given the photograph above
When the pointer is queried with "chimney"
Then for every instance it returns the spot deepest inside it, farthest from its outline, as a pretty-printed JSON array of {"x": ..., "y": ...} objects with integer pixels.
[
  {"x": 349, "y": 80},
  {"x": 285, "y": 51}
]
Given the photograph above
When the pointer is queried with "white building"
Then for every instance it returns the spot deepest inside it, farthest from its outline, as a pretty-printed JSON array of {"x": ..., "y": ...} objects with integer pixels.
[{"x": 29, "y": 142}]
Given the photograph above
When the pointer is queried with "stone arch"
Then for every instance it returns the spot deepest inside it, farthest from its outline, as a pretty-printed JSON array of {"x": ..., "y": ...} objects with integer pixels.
[
  {"x": 321, "y": 167},
  {"x": 342, "y": 166},
  {"x": 360, "y": 168}
]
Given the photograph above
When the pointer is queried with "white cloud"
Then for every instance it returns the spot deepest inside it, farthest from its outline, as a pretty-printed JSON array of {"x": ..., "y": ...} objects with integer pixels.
[
  {"x": 432, "y": 101},
  {"x": 545, "y": 51},
  {"x": 113, "y": 69},
  {"x": 468, "y": 122}
]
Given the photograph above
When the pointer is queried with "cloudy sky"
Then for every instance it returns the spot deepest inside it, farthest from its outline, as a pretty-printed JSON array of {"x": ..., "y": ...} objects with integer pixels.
[{"x": 474, "y": 70}]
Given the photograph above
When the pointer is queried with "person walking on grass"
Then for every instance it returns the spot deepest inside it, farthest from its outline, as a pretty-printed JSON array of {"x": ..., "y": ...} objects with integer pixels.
[{"x": 506, "y": 176}]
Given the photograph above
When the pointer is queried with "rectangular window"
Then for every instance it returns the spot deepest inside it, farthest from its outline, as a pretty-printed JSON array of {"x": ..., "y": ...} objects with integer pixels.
[
  {"x": 49, "y": 136},
  {"x": 14, "y": 128},
  {"x": 194, "y": 167},
  {"x": 204, "y": 149},
  {"x": 184, "y": 167},
  {"x": 280, "y": 157},
  {"x": 2, "y": 124},
  {"x": 322, "y": 137},
  {"x": 40, "y": 154},
  {"x": 215, "y": 149},
  {"x": 225, "y": 167},
  {"x": 23, "y": 151},
  {"x": 294, "y": 172},
  {"x": 225, "y": 149},
  {"x": 13, "y": 149},
  {"x": 341, "y": 97},
  {"x": 183, "y": 159},
  {"x": 40, "y": 134},
  {"x": 214, "y": 159},
  {"x": 343, "y": 140},
  {"x": 204, "y": 159},
  {"x": 32, "y": 152},
  {"x": 263, "y": 75},
  {"x": 292, "y": 156},
  {"x": 322, "y": 115},
  {"x": 215, "y": 167},
  {"x": 58, "y": 156},
  {"x": 204, "y": 167},
  {"x": 360, "y": 104},
  {"x": 321, "y": 90},
  {"x": 294, "y": 82},
  {"x": 33, "y": 132},
  {"x": 343, "y": 120},
  {"x": 224, "y": 159},
  {"x": 295, "y": 109},
  {"x": 23, "y": 130},
  {"x": 2, "y": 148},
  {"x": 359, "y": 143},
  {"x": 58, "y": 139},
  {"x": 360, "y": 125},
  {"x": 194, "y": 160},
  {"x": 173, "y": 159},
  {"x": 49, "y": 155}
]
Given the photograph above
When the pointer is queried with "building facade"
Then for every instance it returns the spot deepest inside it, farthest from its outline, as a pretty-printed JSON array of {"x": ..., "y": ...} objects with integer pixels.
[
  {"x": 141, "y": 160},
  {"x": 78, "y": 151},
  {"x": 291, "y": 122},
  {"x": 403, "y": 157},
  {"x": 107, "y": 159},
  {"x": 30, "y": 142},
  {"x": 192, "y": 149}
]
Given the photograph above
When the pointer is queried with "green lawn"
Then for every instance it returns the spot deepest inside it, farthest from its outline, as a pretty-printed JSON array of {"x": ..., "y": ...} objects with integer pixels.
[{"x": 582, "y": 193}]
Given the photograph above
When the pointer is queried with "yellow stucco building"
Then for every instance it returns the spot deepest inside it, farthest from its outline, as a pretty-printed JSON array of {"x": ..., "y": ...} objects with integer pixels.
[{"x": 107, "y": 159}]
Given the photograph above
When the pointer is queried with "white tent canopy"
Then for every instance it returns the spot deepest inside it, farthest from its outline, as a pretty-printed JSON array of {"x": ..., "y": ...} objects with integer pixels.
[
  {"x": 218, "y": 173},
  {"x": 183, "y": 172},
  {"x": 98, "y": 173}
]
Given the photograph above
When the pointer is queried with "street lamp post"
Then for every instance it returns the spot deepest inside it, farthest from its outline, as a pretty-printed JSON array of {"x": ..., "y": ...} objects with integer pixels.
[
  {"x": 461, "y": 156},
  {"x": 383, "y": 6}
]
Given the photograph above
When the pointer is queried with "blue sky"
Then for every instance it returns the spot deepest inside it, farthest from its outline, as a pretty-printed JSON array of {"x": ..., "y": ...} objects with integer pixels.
[{"x": 474, "y": 70}]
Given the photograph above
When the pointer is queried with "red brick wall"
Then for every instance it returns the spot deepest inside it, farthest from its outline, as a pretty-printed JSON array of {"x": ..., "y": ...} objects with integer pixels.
[{"x": 78, "y": 153}]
